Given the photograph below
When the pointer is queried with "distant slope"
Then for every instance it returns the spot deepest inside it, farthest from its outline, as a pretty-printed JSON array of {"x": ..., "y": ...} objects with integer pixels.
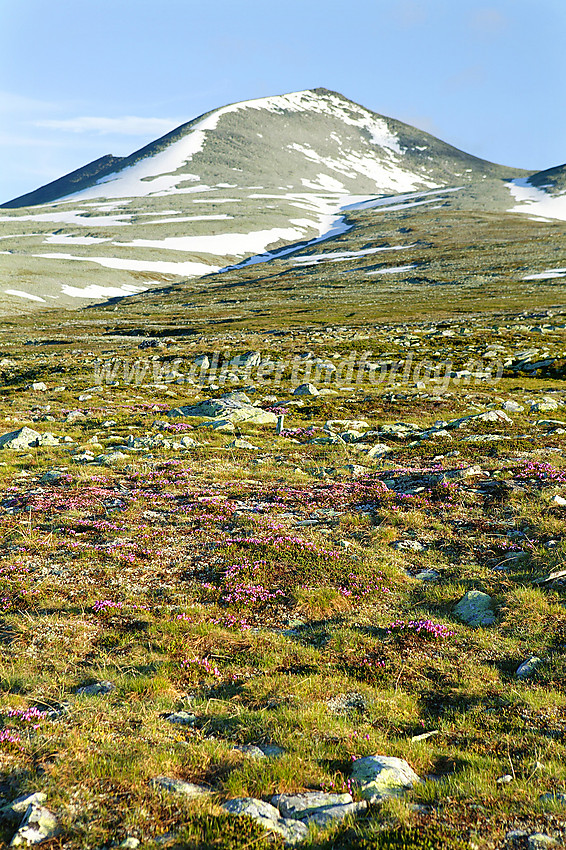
[
  {"x": 541, "y": 194},
  {"x": 69, "y": 183},
  {"x": 237, "y": 182}
]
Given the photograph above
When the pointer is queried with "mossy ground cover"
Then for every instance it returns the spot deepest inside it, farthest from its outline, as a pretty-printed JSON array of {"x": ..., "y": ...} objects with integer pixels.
[{"x": 258, "y": 588}]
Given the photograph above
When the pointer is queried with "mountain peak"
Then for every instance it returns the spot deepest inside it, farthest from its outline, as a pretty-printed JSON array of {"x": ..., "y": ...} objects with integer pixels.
[{"x": 237, "y": 182}]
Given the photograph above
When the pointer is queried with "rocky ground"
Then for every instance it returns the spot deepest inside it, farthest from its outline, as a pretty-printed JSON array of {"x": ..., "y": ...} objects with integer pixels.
[
  {"x": 282, "y": 557},
  {"x": 314, "y": 580}
]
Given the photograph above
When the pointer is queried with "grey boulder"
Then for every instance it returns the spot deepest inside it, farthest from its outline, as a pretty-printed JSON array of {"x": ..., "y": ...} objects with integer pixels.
[
  {"x": 380, "y": 776},
  {"x": 20, "y": 440},
  {"x": 474, "y": 608},
  {"x": 292, "y": 831}
]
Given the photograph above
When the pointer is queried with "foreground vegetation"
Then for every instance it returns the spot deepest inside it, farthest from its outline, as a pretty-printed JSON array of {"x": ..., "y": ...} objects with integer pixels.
[{"x": 253, "y": 612}]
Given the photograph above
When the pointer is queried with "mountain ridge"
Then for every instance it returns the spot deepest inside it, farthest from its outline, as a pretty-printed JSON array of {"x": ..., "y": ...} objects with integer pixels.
[
  {"x": 232, "y": 186},
  {"x": 105, "y": 165}
]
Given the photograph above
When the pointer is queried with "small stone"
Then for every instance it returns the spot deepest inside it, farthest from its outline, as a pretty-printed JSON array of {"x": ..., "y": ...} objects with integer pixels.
[
  {"x": 516, "y": 836},
  {"x": 558, "y": 797},
  {"x": 129, "y": 843},
  {"x": 505, "y": 779},
  {"x": 250, "y": 750},
  {"x": 494, "y": 416},
  {"x": 189, "y": 442},
  {"x": 182, "y": 718},
  {"x": 260, "y": 751},
  {"x": 382, "y": 776},
  {"x": 512, "y": 406},
  {"x": 96, "y": 689},
  {"x": 39, "y": 387},
  {"x": 474, "y": 608},
  {"x": 179, "y": 786},
  {"x": 528, "y": 667},
  {"x": 407, "y": 546},
  {"x": 18, "y": 807},
  {"x": 540, "y": 841},
  {"x": 47, "y": 439},
  {"x": 346, "y": 424},
  {"x": 51, "y": 476},
  {"x": 544, "y": 406},
  {"x": 306, "y": 389},
  {"x": 83, "y": 457},
  {"x": 110, "y": 458},
  {"x": 223, "y": 426},
  {"x": 560, "y": 501},
  {"x": 379, "y": 450},
  {"x": 333, "y": 814},
  {"x": 356, "y": 469},
  {"x": 350, "y": 703},
  {"x": 427, "y": 575},
  {"x": 239, "y": 443},
  {"x": 299, "y": 805}
]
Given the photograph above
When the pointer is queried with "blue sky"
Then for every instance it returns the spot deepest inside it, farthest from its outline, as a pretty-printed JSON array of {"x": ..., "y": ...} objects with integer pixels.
[{"x": 81, "y": 78}]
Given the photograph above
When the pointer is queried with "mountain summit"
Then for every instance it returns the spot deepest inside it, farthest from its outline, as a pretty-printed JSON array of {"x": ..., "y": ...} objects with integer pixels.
[{"x": 232, "y": 184}]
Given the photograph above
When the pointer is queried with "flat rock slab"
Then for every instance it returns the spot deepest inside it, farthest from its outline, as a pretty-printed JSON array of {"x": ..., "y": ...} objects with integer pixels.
[
  {"x": 260, "y": 751},
  {"x": 474, "y": 608},
  {"x": 96, "y": 689},
  {"x": 316, "y": 807},
  {"x": 292, "y": 831},
  {"x": 383, "y": 776},
  {"x": 299, "y": 805},
  {"x": 182, "y": 718},
  {"x": 233, "y": 407},
  {"x": 179, "y": 786}
]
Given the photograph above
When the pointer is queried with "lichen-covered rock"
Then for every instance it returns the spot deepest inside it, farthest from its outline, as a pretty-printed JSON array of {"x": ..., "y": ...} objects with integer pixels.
[
  {"x": 261, "y": 751},
  {"x": 316, "y": 807},
  {"x": 528, "y": 667},
  {"x": 96, "y": 689},
  {"x": 179, "y": 786},
  {"x": 182, "y": 718},
  {"x": 233, "y": 407},
  {"x": 38, "y": 825},
  {"x": 306, "y": 389},
  {"x": 540, "y": 841},
  {"x": 474, "y": 608},
  {"x": 15, "y": 810},
  {"x": 292, "y": 831},
  {"x": 299, "y": 805},
  {"x": 20, "y": 440},
  {"x": 383, "y": 776}
]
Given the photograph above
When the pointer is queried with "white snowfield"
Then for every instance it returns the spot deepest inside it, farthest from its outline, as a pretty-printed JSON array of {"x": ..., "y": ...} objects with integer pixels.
[
  {"x": 531, "y": 199},
  {"x": 547, "y": 275},
  {"x": 182, "y": 269},
  {"x": 342, "y": 256},
  {"x": 221, "y": 244},
  {"x": 393, "y": 270}
]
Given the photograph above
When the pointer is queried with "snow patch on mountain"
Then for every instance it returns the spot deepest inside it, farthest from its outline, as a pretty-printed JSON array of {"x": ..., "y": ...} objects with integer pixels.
[
  {"x": 221, "y": 244},
  {"x": 189, "y": 269},
  {"x": 530, "y": 199}
]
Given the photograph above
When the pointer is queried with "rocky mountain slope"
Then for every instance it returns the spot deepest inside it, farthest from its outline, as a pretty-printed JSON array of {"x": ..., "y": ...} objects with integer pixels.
[{"x": 235, "y": 184}]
